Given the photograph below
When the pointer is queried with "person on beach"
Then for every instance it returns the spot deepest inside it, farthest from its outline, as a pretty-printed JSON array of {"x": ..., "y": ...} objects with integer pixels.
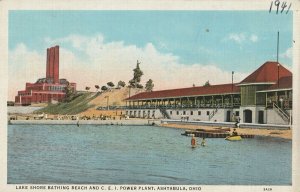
[
  {"x": 193, "y": 141},
  {"x": 203, "y": 142},
  {"x": 237, "y": 122},
  {"x": 234, "y": 132}
]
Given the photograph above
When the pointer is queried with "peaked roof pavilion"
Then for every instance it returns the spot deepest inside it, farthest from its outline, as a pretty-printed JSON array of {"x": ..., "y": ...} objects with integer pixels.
[{"x": 267, "y": 74}]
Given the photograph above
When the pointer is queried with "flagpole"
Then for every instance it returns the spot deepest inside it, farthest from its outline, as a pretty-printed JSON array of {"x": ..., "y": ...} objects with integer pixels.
[
  {"x": 277, "y": 59},
  {"x": 232, "y": 81},
  {"x": 277, "y": 45}
]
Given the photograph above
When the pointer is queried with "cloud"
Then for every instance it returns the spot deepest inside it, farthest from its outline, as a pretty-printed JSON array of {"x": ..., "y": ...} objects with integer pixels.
[
  {"x": 288, "y": 54},
  {"x": 23, "y": 66},
  {"x": 238, "y": 38},
  {"x": 90, "y": 61},
  {"x": 241, "y": 38}
]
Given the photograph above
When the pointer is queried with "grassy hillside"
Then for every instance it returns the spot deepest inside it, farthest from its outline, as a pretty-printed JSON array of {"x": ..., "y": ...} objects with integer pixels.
[
  {"x": 89, "y": 101},
  {"x": 78, "y": 104}
]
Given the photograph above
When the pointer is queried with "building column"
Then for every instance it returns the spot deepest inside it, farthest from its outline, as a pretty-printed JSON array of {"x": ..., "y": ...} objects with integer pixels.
[
  {"x": 266, "y": 100},
  {"x": 286, "y": 99},
  {"x": 222, "y": 100}
]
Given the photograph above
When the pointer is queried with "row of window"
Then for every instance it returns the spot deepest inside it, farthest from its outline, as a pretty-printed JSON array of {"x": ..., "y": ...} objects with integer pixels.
[
  {"x": 56, "y": 88},
  {"x": 24, "y": 94},
  {"x": 237, "y": 113},
  {"x": 134, "y": 113},
  {"x": 191, "y": 112}
]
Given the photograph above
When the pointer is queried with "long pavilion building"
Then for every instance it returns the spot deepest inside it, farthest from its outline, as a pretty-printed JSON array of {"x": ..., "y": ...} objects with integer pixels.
[{"x": 264, "y": 97}]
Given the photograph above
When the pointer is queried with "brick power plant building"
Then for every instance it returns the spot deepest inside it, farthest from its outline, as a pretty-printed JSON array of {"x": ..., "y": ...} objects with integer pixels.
[{"x": 49, "y": 89}]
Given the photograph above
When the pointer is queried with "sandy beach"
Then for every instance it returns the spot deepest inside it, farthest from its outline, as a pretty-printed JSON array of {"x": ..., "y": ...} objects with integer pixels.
[
  {"x": 285, "y": 134},
  {"x": 117, "y": 115}
]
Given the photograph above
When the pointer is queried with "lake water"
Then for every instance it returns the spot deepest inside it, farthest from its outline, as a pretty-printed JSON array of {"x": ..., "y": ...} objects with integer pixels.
[{"x": 91, "y": 154}]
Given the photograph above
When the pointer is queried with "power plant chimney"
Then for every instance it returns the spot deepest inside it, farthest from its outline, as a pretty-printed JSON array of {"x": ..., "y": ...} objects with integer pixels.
[{"x": 52, "y": 67}]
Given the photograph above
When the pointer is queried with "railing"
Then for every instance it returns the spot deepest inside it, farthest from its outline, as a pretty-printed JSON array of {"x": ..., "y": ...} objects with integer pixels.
[
  {"x": 284, "y": 115},
  {"x": 212, "y": 114},
  {"x": 199, "y": 106},
  {"x": 164, "y": 113},
  {"x": 235, "y": 105},
  {"x": 285, "y": 105}
]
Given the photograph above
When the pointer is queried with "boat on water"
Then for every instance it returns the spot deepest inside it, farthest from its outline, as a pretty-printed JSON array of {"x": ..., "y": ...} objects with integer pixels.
[{"x": 233, "y": 138}]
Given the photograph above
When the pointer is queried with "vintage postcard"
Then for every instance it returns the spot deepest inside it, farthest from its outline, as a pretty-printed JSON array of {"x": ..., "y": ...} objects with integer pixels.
[{"x": 150, "y": 95}]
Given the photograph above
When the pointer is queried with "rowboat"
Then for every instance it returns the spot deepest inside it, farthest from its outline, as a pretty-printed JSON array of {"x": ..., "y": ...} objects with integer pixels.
[{"x": 234, "y": 138}]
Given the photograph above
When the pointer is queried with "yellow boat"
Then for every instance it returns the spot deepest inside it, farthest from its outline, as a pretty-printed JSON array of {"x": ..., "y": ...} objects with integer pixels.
[{"x": 233, "y": 138}]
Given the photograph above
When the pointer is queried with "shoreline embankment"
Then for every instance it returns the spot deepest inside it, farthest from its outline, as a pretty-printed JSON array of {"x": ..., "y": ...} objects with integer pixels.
[{"x": 86, "y": 122}]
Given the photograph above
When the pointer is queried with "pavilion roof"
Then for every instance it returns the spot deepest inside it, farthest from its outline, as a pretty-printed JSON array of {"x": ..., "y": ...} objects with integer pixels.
[
  {"x": 188, "y": 92},
  {"x": 267, "y": 73}
]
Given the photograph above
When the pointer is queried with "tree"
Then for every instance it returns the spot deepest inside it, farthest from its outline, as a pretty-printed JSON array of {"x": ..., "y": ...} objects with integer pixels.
[
  {"x": 149, "y": 85},
  {"x": 139, "y": 86},
  {"x": 104, "y": 88},
  {"x": 110, "y": 84},
  {"x": 137, "y": 74},
  {"x": 97, "y": 87},
  {"x": 121, "y": 84},
  {"x": 87, "y": 88},
  {"x": 69, "y": 91},
  {"x": 206, "y": 83}
]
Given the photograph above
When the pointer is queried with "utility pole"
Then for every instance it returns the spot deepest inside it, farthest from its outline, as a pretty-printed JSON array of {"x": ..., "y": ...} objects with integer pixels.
[
  {"x": 232, "y": 81},
  {"x": 232, "y": 89},
  {"x": 107, "y": 98}
]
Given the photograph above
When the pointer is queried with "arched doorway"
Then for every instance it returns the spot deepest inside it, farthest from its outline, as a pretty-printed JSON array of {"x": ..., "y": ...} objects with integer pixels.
[
  {"x": 247, "y": 116},
  {"x": 261, "y": 117},
  {"x": 228, "y": 116}
]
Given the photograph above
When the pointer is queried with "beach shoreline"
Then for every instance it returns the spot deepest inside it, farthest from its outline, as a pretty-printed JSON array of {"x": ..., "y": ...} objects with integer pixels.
[
  {"x": 277, "y": 133},
  {"x": 284, "y": 134}
]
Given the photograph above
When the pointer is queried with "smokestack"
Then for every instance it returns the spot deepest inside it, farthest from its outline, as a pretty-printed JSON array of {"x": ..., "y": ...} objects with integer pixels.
[
  {"x": 56, "y": 65},
  {"x": 48, "y": 64},
  {"x": 52, "y": 67}
]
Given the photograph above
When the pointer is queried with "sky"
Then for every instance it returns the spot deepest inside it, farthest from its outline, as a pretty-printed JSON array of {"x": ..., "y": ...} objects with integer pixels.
[{"x": 176, "y": 48}]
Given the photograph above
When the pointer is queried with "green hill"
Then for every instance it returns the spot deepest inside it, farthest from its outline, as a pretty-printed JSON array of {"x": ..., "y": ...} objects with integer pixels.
[
  {"x": 86, "y": 101},
  {"x": 77, "y": 104}
]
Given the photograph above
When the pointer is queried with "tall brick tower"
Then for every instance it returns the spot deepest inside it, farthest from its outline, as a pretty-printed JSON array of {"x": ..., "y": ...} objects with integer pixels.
[
  {"x": 48, "y": 89},
  {"x": 52, "y": 68}
]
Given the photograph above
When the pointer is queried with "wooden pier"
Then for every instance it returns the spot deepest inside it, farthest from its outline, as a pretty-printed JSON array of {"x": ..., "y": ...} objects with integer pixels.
[{"x": 211, "y": 134}]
